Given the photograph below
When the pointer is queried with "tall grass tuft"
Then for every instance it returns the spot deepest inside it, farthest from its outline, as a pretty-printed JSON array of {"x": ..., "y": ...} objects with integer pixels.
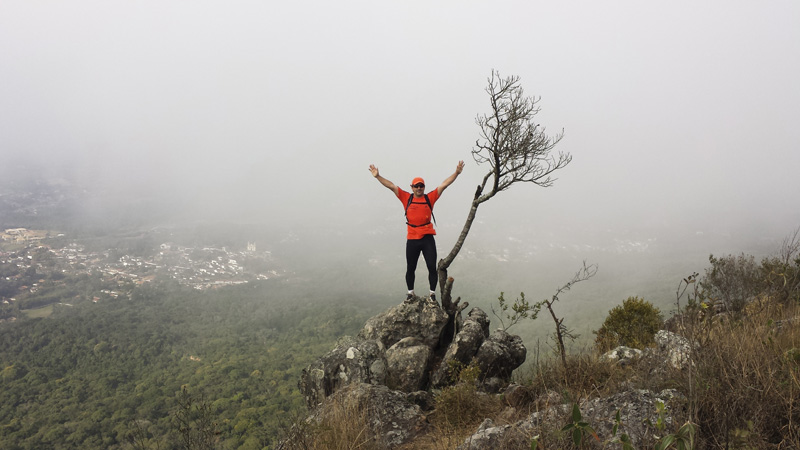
[
  {"x": 744, "y": 389},
  {"x": 344, "y": 426}
]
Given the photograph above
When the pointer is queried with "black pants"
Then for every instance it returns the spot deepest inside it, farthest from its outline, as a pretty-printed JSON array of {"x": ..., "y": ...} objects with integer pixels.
[{"x": 426, "y": 246}]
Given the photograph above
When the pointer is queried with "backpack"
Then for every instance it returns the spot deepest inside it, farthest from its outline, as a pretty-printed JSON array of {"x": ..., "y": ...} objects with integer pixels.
[{"x": 428, "y": 201}]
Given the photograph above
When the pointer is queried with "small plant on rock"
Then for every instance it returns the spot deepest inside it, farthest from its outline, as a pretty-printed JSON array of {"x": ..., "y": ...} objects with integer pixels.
[
  {"x": 520, "y": 309},
  {"x": 579, "y": 428}
]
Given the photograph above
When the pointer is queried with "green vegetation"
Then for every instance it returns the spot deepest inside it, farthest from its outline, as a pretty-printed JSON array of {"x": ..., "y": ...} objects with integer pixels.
[
  {"x": 111, "y": 373},
  {"x": 633, "y": 324},
  {"x": 520, "y": 309},
  {"x": 578, "y": 428},
  {"x": 734, "y": 281}
]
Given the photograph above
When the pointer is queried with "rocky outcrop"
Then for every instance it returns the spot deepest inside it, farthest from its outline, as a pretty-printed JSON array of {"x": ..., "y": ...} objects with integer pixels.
[
  {"x": 636, "y": 407},
  {"x": 388, "y": 370},
  {"x": 407, "y": 349},
  {"x": 351, "y": 361}
]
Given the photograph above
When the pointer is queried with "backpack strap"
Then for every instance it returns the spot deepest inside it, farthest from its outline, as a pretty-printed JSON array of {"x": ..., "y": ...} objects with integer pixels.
[
  {"x": 430, "y": 206},
  {"x": 428, "y": 201}
]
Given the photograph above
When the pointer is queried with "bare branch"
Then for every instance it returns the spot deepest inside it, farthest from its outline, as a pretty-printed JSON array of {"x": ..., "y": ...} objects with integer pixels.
[
  {"x": 583, "y": 274},
  {"x": 515, "y": 148},
  {"x": 790, "y": 247}
]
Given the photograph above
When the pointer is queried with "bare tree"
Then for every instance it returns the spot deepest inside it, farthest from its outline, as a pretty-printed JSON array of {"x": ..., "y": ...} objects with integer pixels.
[
  {"x": 561, "y": 330},
  {"x": 516, "y": 149}
]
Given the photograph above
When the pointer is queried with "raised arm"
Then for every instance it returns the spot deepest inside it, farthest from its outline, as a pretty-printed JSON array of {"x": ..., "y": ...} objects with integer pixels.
[
  {"x": 449, "y": 180},
  {"x": 389, "y": 185}
]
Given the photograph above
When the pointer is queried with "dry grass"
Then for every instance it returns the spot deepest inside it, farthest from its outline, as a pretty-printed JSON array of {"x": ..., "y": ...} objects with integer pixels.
[
  {"x": 439, "y": 439},
  {"x": 344, "y": 426},
  {"x": 745, "y": 386},
  {"x": 462, "y": 406}
]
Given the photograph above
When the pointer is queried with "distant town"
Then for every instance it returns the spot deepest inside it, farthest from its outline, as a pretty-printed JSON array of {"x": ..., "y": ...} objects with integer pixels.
[{"x": 49, "y": 257}]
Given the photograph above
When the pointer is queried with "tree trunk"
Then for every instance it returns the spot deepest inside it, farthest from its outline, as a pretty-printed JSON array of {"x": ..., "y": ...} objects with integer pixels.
[
  {"x": 446, "y": 286},
  {"x": 559, "y": 335}
]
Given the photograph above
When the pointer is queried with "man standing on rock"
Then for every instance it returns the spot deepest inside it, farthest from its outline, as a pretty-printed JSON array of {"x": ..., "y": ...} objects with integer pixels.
[{"x": 419, "y": 211}]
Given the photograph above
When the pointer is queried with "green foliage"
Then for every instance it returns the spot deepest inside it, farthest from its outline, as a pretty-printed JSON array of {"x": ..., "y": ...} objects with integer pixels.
[
  {"x": 194, "y": 420},
  {"x": 520, "y": 309},
  {"x": 732, "y": 280},
  {"x": 736, "y": 281},
  {"x": 683, "y": 439},
  {"x": 633, "y": 324},
  {"x": 109, "y": 374},
  {"x": 623, "y": 439},
  {"x": 578, "y": 428}
]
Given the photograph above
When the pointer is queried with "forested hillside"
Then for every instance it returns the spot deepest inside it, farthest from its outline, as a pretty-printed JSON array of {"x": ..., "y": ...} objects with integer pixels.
[{"x": 94, "y": 375}]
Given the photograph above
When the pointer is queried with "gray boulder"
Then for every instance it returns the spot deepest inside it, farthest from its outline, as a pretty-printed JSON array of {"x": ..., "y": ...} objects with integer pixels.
[
  {"x": 622, "y": 355},
  {"x": 500, "y": 354},
  {"x": 674, "y": 348},
  {"x": 351, "y": 361},
  {"x": 468, "y": 340},
  {"x": 637, "y": 408},
  {"x": 407, "y": 364},
  {"x": 418, "y": 318},
  {"x": 423, "y": 399},
  {"x": 490, "y": 437}
]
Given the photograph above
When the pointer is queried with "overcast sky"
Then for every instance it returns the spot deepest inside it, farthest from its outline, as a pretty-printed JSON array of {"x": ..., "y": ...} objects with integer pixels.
[{"x": 678, "y": 114}]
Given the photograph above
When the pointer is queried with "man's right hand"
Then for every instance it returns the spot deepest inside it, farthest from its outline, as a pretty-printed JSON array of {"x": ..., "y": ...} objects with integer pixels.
[{"x": 388, "y": 184}]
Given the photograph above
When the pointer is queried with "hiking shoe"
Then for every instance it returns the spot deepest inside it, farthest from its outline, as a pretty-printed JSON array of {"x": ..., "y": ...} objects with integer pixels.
[
  {"x": 409, "y": 297},
  {"x": 433, "y": 298}
]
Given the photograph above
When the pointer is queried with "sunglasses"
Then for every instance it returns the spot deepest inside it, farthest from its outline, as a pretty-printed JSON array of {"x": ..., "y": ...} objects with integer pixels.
[{"x": 418, "y": 185}]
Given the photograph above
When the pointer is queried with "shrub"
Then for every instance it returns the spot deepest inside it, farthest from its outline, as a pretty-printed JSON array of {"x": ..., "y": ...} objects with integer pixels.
[
  {"x": 781, "y": 272},
  {"x": 732, "y": 280},
  {"x": 743, "y": 387},
  {"x": 633, "y": 324}
]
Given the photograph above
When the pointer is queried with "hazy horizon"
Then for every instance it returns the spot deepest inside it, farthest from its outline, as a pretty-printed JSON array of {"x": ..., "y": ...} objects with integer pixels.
[{"x": 679, "y": 116}]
